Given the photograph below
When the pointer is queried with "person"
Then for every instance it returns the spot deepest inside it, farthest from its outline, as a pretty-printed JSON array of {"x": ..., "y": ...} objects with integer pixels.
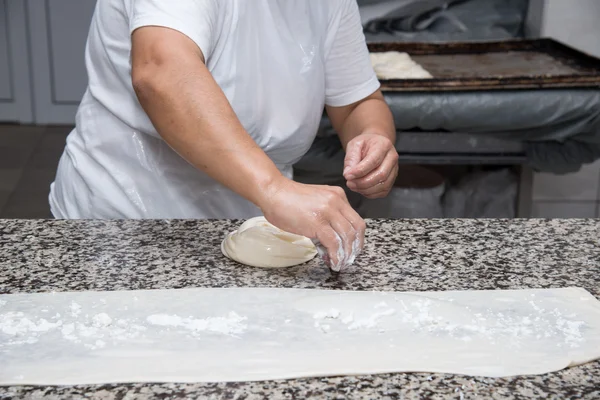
[{"x": 199, "y": 109}]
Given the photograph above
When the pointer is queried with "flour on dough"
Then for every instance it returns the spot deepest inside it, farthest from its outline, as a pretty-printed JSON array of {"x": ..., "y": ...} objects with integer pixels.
[
  {"x": 259, "y": 334},
  {"x": 396, "y": 65},
  {"x": 258, "y": 243}
]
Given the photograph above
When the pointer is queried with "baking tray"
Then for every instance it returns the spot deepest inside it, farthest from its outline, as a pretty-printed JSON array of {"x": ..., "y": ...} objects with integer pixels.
[{"x": 499, "y": 65}]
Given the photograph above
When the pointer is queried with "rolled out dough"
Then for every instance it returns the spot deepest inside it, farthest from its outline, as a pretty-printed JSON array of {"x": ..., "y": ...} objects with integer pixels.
[
  {"x": 396, "y": 65},
  {"x": 251, "y": 334},
  {"x": 258, "y": 243}
]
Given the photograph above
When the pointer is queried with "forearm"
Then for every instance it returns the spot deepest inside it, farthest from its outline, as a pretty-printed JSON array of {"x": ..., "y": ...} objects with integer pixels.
[
  {"x": 371, "y": 115},
  {"x": 193, "y": 116}
]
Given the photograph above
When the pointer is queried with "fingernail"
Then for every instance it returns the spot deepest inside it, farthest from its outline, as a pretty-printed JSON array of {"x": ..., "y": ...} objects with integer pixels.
[
  {"x": 346, "y": 170},
  {"x": 350, "y": 177}
]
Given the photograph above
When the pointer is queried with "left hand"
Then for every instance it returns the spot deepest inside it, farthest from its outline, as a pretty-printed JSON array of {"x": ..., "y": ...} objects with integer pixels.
[{"x": 371, "y": 165}]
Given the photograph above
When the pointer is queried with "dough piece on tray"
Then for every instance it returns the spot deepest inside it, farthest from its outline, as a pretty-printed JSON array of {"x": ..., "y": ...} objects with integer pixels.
[
  {"x": 396, "y": 65},
  {"x": 258, "y": 243}
]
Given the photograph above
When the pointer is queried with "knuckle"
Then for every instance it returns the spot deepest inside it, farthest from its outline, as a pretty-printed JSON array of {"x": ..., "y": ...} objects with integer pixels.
[
  {"x": 329, "y": 194},
  {"x": 332, "y": 197},
  {"x": 361, "y": 226},
  {"x": 381, "y": 175},
  {"x": 331, "y": 200},
  {"x": 339, "y": 191},
  {"x": 321, "y": 212}
]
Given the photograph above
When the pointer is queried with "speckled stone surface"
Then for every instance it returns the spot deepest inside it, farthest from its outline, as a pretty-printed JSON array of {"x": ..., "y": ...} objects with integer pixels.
[{"x": 410, "y": 255}]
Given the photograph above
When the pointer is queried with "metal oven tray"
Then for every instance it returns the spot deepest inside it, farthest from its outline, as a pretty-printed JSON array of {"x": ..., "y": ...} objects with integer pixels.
[{"x": 501, "y": 65}]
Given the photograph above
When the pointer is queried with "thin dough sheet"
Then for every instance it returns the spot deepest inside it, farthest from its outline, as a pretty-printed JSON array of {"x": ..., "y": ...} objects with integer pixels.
[{"x": 250, "y": 334}]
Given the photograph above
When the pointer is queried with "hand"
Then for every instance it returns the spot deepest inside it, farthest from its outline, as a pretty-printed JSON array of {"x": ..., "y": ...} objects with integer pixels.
[
  {"x": 371, "y": 165},
  {"x": 317, "y": 212}
]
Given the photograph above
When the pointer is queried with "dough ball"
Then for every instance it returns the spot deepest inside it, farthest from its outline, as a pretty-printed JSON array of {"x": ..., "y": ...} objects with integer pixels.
[
  {"x": 258, "y": 243},
  {"x": 396, "y": 65}
]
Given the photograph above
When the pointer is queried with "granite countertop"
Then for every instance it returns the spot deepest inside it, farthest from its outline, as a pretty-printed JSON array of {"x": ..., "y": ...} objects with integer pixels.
[{"x": 408, "y": 255}]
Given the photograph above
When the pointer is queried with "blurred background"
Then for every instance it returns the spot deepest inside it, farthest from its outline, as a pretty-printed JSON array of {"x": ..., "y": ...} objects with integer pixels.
[{"x": 510, "y": 153}]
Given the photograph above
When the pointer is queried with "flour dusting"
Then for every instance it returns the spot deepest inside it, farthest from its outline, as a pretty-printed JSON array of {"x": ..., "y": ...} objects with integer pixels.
[
  {"x": 101, "y": 320},
  {"x": 425, "y": 315},
  {"x": 24, "y": 330},
  {"x": 348, "y": 319},
  {"x": 329, "y": 314},
  {"x": 75, "y": 309},
  {"x": 495, "y": 325},
  {"x": 371, "y": 321},
  {"x": 91, "y": 332},
  {"x": 511, "y": 325},
  {"x": 232, "y": 324}
]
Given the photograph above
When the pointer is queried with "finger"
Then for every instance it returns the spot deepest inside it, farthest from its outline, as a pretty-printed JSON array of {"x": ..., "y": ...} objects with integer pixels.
[
  {"x": 359, "y": 227},
  {"x": 382, "y": 187},
  {"x": 343, "y": 226},
  {"x": 332, "y": 243},
  {"x": 321, "y": 251},
  {"x": 384, "y": 192},
  {"x": 373, "y": 159},
  {"x": 381, "y": 174},
  {"x": 347, "y": 233},
  {"x": 353, "y": 155}
]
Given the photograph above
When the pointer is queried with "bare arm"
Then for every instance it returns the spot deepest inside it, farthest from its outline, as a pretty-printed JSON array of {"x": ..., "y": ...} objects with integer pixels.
[
  {"x": 367, "y": 132},
  {"x": 370, "y": 115},
  {"x": 192, "y": 114}
]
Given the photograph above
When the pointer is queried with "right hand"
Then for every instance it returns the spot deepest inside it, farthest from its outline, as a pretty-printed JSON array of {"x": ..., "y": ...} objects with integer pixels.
[{"x": 317, "y": 212}]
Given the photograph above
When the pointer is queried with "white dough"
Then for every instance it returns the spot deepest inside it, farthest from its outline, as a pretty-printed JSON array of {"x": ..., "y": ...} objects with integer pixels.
[
  {"x": 256, "y": 334},
  {"x": 258, "y": 243},
  {"x": 396, "y": 65}
]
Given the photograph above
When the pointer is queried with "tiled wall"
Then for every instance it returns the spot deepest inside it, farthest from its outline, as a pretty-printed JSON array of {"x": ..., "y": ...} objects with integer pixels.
[{"x": 576, "y": 195}]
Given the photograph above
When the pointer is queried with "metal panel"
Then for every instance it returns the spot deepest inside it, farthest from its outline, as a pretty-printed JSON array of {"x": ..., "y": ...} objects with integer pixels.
[
  {"x": 454, "y": 142},
  {"x": 501, "y": 65}
]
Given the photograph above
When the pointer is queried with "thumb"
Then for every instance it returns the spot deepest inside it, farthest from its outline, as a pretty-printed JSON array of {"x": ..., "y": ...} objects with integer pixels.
[{"x": 353, "y": 156}]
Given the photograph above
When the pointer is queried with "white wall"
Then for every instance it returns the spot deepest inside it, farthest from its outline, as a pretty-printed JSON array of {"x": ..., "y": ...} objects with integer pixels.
[{"x": 575, "y": 23}]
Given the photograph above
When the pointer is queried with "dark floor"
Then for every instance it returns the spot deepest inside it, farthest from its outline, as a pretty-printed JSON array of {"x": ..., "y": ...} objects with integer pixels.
[{"x": 28, "y": 159}]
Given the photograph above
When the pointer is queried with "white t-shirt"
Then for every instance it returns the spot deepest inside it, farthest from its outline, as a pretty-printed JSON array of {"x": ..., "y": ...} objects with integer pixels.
[{"x": 277, "y": 61}]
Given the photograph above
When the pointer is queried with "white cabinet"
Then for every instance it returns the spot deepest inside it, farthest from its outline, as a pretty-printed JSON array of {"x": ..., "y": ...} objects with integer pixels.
[
  {"x": 6, "y": 92},
  {"x": 42, "y": 59},
  {"x": 58, "y": 33},
  {"x": 15, "y": 80}
]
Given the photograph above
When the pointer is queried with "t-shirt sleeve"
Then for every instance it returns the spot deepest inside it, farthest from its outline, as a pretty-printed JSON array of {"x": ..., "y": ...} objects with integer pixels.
[
  {"x": 197, "y": 19},
  {"x": 349, "y": 74}
]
